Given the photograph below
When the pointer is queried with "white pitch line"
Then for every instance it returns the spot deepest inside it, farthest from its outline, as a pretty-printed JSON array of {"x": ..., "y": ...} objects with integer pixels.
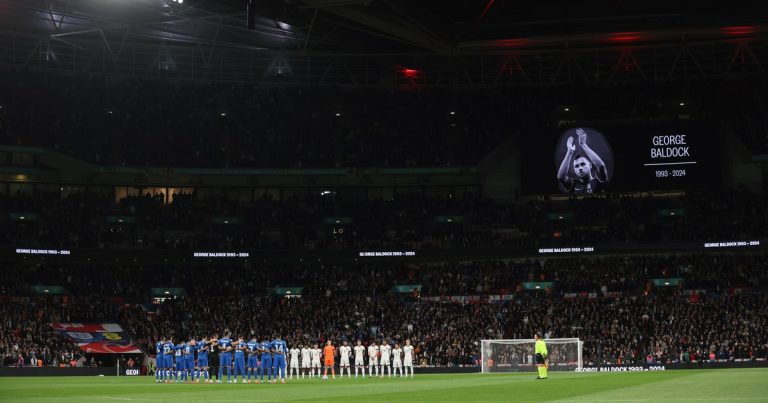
[{"x": 681, "y": 399}]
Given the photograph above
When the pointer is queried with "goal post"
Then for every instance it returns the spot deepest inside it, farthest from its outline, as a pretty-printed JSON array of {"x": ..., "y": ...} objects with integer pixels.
[{"x": 516, "y": 355}]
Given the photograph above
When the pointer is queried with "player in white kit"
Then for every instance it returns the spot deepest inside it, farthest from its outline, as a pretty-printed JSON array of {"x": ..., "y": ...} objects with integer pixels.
[
  {"x": 397, "y": 362},
  {"x": 315, "y": 353},
  {"x": 294, "y": 352},
  {"x": 359, "y": 358},
  {"x": 373, "y": 359},
  {"x": 304, "y": 360},
  {"x": 408, "y": 357},
  {"x": 386, "y": 351},
  {"x": 345, "y": 351}
]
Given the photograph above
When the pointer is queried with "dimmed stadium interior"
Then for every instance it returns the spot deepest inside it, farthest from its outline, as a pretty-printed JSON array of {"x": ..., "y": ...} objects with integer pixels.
[{"x": 385, "y": 170}]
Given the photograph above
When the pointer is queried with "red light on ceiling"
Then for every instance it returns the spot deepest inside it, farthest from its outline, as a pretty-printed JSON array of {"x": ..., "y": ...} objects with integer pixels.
[
  {"x": 512, "y": 43},
  {"x": 740, "y": 30},
  {"x": 625, "y": 37},
  {"x": 410, "y": 73}
]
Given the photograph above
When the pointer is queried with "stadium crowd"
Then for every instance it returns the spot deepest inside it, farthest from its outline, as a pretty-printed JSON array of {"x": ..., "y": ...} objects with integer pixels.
[
  {"x": 609, "y": 302},
  {"x": 27, "y": 339},
  {"x": 129, "y": 282},
  {"x": 720, "y": 310},
  {"x": 89, "y": 219},
  {"x": 653, "y": 328}
]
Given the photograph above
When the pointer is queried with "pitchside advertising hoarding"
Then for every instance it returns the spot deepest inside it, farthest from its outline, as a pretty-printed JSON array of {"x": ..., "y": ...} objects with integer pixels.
[
  {"x": 597, "y": 158},
  {"x": 623, "y": 368}
]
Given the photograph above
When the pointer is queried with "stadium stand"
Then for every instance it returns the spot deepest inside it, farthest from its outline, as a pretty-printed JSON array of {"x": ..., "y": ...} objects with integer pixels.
[
  {"x": 193, "y": 189},
  {"x": 610, "y": 303},
  {"x": 717, "y": 310},
  {"x": 81, "y": 220}
]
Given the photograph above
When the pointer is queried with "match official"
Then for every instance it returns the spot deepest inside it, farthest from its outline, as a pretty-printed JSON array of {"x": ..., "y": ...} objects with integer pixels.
[{"x": 540, "y": 349}]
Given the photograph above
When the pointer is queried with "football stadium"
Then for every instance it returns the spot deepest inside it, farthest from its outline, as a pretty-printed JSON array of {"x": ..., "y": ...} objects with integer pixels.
[{"x": 383, "y": 200}]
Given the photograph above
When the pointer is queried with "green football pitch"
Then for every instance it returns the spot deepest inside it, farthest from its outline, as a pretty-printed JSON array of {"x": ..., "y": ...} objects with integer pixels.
[{"x": 738, "y": 385}]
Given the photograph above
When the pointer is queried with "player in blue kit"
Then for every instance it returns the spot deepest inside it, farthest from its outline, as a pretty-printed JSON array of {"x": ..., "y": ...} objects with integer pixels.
[
  {"x": 202, "y": 360},
  {"x": 265, "y": 348},
  {"x": 225, "y": 357},
  {"x": 159, "y": 359},
  {"x": 179, "y": 358},
  {"x": 168, "y": 350},
  {"x": 189, "y": 360},
  {"x": 253, "y": 358},
  {"x": 240, "y": 348},
  {"x": 279, "y": 348}
]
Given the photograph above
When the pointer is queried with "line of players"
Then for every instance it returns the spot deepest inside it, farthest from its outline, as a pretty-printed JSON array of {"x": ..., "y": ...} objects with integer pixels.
[
  {"x": 381, "y": 359},
  {"x": 177, "y": 363}
]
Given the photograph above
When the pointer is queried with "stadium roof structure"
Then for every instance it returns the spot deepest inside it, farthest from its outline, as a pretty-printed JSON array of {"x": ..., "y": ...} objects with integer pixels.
[{"x": 365, "y": 42}]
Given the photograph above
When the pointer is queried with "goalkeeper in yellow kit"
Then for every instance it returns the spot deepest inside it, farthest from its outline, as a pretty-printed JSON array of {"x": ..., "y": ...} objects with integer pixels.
[{"x": 540, "y": 349}]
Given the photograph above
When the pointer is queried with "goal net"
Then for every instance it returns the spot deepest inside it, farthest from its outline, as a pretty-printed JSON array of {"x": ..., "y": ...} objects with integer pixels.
[{"x": 517, "y": 355}]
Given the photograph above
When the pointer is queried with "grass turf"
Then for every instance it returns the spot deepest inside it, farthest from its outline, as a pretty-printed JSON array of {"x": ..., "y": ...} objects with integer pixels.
[{"x": 739, "y": 385}]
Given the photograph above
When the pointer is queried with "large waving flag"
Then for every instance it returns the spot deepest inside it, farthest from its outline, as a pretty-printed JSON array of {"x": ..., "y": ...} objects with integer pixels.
[{"x": 104, "y": 338}]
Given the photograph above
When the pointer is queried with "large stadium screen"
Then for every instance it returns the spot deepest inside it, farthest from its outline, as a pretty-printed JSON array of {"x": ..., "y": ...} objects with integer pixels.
[{"x": 616, "y": 158}]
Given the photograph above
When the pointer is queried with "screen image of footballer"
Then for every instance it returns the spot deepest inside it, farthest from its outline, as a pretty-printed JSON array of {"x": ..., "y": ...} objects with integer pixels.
[
  {"x": 588, "y": 170},
  {"x": 599, "y": 158}
]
